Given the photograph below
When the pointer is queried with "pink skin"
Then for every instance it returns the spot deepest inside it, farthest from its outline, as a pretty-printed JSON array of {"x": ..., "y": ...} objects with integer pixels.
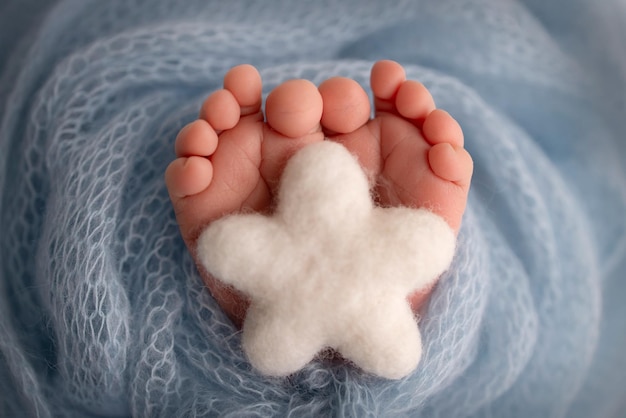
[{"x": 231, "y": 158}]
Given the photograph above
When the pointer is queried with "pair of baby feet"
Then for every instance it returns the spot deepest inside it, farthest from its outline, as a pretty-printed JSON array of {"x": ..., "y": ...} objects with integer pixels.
[{"x": 231, "y": 158}]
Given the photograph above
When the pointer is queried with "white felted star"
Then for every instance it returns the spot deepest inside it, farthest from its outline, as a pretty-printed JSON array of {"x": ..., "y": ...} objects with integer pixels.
[{"x": 328, "y": 268}]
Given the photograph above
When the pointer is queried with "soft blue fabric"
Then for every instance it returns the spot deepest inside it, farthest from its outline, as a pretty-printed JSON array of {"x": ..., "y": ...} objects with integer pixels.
[{"x": 102, "y": 312}]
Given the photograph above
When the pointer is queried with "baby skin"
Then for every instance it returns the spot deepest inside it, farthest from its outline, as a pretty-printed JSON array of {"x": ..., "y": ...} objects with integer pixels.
[{"x": 231, "y": 158}]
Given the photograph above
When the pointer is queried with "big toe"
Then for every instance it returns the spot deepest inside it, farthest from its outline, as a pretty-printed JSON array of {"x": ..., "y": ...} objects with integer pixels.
[
  {"x": 294, "y": 108},
  {"x": 293, "y": 111},
  {"x": 346, "y": 105}
]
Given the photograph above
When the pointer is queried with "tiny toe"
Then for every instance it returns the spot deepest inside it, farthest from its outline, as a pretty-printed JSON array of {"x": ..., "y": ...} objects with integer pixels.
[
  {"x": 294, "y": 108},
  {"x": 188, "y": 176},
  {"x": 221, "y": 110},
  {"x": 196, "y": 138},
  {"x": 414, "y": 101},
  {"x": 385, "y": 79},
  {"x": 451, "y": 163},
  {"x": 346, "y": 105},
  {"x": 245, "y": 84},
  {"x": 440, "y": 127}
]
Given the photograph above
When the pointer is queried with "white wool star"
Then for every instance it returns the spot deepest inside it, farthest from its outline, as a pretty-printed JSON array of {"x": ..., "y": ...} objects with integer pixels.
[{"x": 329, "y": 269}]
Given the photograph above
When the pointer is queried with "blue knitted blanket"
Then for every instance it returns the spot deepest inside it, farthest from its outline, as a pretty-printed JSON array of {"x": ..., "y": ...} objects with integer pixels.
[{"x": 102, "y": 312}]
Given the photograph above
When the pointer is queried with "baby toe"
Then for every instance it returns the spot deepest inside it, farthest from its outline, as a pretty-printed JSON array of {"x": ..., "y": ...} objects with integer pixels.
[
  {"x": 385, "y": 79},
  {"x": 197, "y": 138},
  {"x": 245, "y": 84},
  {"x": 188, "y": 176},
  {"x": 451, "y": 163},
  {"x": 221, "y": 110},
  {"x": 440, "y": 127},
  {"x": 414, "y": 102}
]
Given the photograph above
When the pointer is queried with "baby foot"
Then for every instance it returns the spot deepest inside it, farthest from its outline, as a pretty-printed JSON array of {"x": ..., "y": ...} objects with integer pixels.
[
  {"x": 412, "y": 152},
  {"x": 230, "y": 159}
]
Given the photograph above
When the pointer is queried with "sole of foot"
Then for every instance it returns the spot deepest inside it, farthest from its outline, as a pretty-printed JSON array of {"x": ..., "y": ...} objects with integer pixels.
[{"x": 231, "y": 158}]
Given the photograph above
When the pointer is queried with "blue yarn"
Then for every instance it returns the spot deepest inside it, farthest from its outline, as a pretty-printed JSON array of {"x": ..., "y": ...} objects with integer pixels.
[{"x": 102, "y": 312}]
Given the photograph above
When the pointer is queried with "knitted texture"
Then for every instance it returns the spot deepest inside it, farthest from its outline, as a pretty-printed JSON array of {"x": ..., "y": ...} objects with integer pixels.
[
  {"x": 102, "y": 312},
  {"x": 329, "y": 269}
]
